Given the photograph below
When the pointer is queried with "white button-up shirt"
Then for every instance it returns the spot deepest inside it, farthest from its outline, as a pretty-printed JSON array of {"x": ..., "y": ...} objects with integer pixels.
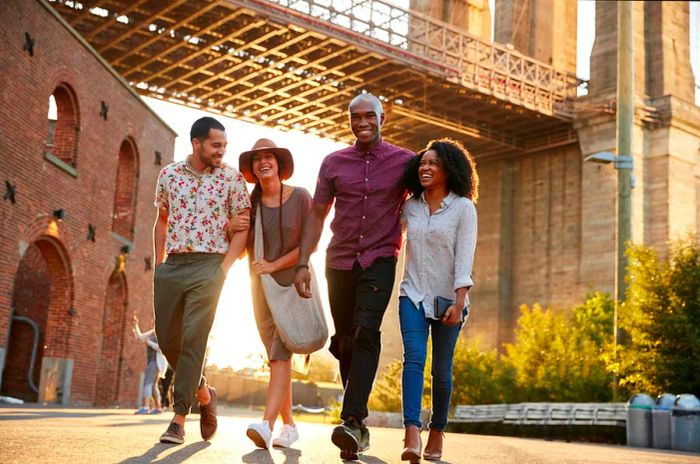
[{"x": 439, "y": 249}]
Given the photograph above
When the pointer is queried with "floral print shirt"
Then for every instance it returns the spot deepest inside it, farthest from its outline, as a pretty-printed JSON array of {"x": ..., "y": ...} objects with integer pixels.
[{"x": 199, "y": 205}]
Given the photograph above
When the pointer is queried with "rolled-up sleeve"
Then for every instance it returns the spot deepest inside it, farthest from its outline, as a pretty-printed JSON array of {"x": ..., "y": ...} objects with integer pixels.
[{"x": 465, "y": 247}]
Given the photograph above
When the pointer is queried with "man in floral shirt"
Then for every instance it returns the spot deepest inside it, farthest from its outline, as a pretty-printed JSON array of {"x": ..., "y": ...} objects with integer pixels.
[{"x": 195, "y": 199}]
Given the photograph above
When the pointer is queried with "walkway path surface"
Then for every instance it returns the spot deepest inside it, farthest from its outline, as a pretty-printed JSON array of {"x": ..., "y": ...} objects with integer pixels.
[{"x": 36, "y": 434}]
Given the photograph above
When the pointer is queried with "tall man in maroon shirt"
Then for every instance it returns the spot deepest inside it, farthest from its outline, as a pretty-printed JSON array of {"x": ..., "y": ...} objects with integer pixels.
[{"x": 364, "y": 180}]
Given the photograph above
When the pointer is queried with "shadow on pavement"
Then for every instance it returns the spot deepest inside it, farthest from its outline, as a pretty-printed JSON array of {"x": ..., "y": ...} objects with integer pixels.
[
  {"x": 260, "y": 456},
  {"x": 371, "y": 459},
  {"x": 291, "y": 455},
  {"x": 181, "y": 455},
  {"x": 54, "y": 414},
  {"x": 137, "y": 422}
]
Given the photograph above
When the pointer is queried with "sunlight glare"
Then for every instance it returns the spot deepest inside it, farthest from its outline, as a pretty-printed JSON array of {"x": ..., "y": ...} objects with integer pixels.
[{"x": 234, "y": 341}]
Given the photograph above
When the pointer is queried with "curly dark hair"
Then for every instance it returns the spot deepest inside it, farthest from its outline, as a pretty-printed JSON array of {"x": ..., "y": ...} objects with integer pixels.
[{"x": 458, "y": 163}]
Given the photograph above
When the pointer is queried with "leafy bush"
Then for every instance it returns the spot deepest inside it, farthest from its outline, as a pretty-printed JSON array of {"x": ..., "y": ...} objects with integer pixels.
[
  {"x": 570, "y": 355},
  {"x": 481, "y": 377},
  {"x": 386, "y": 392},
  {"x": 660, "y": 319}
]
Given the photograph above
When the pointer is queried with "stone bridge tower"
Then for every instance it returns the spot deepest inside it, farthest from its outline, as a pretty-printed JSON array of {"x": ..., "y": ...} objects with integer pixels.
[
  {"x": 666, "y": 137},
  {"x": 547, "y": 218},
  {"x": 542, "y": 29},
  {"x": 472, "y": 16}
]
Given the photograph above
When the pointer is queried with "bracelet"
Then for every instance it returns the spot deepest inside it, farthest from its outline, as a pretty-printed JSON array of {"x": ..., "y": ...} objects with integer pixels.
[{"x": 300, "y": 266}]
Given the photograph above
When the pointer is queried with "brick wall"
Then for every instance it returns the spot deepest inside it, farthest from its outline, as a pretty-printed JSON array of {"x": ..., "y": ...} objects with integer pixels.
[{"x": 86, "y": 188}]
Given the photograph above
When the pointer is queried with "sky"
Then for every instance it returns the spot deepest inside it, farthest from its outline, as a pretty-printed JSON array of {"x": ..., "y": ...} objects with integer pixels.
[{"x": 234, "y": 339}]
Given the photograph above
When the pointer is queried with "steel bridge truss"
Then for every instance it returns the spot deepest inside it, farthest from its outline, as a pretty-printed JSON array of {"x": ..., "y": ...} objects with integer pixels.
[{"x": 295, "y": 64}]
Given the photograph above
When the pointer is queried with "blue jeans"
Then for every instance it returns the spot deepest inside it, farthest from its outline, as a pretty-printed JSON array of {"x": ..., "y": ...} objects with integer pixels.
[{"x": 414, "y": 332}]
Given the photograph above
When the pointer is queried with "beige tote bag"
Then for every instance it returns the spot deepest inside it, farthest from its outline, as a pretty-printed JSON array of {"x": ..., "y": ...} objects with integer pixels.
[{"x": 300, "y": 321}]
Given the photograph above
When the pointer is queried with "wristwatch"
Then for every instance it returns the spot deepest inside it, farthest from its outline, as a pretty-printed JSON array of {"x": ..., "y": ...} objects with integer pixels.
[{"x": 300, "y": 266}]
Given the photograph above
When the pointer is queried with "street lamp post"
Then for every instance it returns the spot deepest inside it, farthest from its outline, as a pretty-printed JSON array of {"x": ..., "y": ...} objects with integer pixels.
[{"x": 623, "y": 161}]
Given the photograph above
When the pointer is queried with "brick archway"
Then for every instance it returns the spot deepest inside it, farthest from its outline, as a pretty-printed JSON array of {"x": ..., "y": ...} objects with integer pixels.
[
  {"x": 110, "y": 367},
  {"x": 42, "y": 297}
]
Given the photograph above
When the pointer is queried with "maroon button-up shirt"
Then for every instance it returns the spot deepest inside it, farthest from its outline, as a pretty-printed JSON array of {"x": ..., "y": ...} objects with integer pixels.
[{"x": 368, "y": 194}]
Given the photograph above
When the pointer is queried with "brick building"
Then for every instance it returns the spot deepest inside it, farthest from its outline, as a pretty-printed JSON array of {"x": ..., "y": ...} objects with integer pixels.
[
  {"x": 546, "y": 218},
  {"x": 80, "y": 156}
]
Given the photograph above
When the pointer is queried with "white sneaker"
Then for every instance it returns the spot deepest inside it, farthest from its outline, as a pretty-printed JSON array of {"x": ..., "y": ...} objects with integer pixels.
[
  {"x": 260, "y": 433},
  {"x": 287, "y": 436}
]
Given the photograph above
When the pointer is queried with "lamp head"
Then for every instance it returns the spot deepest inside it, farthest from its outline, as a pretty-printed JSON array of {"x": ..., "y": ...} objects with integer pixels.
[{"x": 602, "y": 157}]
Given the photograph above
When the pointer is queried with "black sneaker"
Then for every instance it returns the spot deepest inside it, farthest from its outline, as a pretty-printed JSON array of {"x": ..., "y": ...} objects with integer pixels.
[
  {"x": 348, "y": 437},
  {"x": 364, "y": 438},
  {"x": 175, "y": 434}
]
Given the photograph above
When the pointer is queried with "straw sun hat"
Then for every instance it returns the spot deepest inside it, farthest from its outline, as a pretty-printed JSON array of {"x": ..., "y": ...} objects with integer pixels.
[{"x": 284, "y": 159}]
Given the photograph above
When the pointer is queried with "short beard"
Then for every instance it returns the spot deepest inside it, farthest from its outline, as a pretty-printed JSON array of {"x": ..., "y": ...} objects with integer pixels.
[{"x": 206, "y": 162}]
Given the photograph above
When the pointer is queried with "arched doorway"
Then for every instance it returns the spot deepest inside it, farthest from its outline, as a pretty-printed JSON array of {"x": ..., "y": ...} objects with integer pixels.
[
  {"x": 41, "y": 298},
  {"x": 113, "y": 330}
]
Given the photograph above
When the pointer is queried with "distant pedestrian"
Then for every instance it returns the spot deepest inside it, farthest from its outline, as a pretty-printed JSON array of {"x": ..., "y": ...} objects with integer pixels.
[
  {"x": 165, "y": 390},
  {"x": 440, "y": 221},
  {"x": 195, "y": 199},
  {"x": 364, "y": 182},
  {"x": 156, "y": 365}
]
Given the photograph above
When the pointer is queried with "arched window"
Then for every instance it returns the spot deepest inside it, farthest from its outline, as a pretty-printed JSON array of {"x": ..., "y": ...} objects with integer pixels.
[
  {"x": 63, "y": 126},
  {"x": 125, "y": 191}
]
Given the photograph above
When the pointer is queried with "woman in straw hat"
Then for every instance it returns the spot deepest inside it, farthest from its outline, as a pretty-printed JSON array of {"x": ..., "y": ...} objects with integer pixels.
[{"x": 282, "y": 210}]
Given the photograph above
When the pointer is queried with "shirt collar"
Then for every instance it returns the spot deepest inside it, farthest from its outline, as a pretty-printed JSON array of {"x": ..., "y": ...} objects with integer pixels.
[
  {"x": 451, "y": 196},
  {"x": 194, "y": 172},
  {"x": 376, "y": 152}
]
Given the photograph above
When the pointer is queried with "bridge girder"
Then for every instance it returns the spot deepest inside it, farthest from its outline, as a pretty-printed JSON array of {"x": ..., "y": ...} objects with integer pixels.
[{"x": 276, "y": 65}]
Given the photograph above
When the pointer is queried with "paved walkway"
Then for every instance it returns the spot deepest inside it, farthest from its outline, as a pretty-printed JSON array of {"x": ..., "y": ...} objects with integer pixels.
[{"x": 35, "y": 434}]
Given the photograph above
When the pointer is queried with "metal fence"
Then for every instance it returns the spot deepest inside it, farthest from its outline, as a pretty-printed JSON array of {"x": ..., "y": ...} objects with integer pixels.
[{"x": 611, "y": 414}]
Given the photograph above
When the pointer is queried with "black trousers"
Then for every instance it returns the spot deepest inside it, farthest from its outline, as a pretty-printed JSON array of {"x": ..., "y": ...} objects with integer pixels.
[{"x": 358, "y": 300}]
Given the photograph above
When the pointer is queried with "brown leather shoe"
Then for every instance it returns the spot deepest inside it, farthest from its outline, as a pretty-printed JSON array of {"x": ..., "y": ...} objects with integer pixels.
[
  {"x": 207, "y": 416},
  {"x": 412, "y": 445}
]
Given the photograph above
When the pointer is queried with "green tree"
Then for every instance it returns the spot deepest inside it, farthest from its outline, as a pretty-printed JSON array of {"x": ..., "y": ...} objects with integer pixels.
[
  {"x": 660, "y": 319},
  {"x": 560, "y": 356}
]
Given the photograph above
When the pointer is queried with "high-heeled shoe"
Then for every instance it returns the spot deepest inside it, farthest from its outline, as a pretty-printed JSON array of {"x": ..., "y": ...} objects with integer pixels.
[
  {"x": 412, "y": 445},
  {"x": 433, "y": 449}
]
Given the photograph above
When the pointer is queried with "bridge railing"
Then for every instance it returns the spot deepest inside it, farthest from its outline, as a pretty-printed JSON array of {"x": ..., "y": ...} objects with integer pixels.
[{"x": 484, "y": 66}]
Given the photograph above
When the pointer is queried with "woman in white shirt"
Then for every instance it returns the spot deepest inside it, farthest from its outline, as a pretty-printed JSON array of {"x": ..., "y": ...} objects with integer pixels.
[{"x": 440, "y": 221}]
